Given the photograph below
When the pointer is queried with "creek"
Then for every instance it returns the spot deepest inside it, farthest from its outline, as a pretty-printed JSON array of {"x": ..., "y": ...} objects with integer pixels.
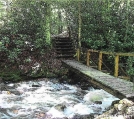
[{"x": 48, "y": 99}]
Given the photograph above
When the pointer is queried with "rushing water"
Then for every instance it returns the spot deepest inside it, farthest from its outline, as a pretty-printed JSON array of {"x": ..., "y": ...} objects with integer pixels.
[{"x": 40, "y": 99}]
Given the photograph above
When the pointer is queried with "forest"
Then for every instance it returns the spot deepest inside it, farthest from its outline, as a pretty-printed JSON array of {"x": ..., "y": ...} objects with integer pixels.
[
  {"x": 35, "y": 83},
  {"x": 27, "y": 27}
]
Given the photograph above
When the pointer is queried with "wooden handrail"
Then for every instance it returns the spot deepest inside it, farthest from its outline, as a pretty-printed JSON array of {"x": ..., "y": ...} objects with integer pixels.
[{"x": 116, "y": 59}]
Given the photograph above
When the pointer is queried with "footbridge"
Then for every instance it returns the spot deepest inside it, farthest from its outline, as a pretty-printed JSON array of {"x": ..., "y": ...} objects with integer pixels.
[{"x": 113, "y": 84}]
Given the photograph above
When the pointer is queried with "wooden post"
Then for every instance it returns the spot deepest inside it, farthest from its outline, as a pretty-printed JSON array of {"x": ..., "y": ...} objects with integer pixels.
[
  {"x": 116, "y": 66},
  {"x": 100, "y": 61},
  {"x": 88, "y": 58},
  {"x": 78, "y": 54}
]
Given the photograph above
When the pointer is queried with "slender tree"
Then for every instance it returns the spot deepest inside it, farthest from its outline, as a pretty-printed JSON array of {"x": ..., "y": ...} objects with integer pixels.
[
  {"x": 47, "y": 30},
  {"x": 80, "y": 23}
]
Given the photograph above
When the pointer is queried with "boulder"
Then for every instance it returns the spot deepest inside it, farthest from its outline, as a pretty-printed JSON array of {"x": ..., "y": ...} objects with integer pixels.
[
  {"x": 124, "y": 108},
  {"x": 3, "y": 87},
  {"x": 95, "y": 96},
  {"x": 14, "y": 91},
  {"x": 60, "y": 107},
  {"x": 130, "y": 110},
  {"x": 90, "y": 116},
  {"x": 35, "y": 84}
]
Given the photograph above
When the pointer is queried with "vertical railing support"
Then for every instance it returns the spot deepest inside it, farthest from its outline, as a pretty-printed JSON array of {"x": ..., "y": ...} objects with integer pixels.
[
  {"x": 100, "y": 61},
  {"x": 116, "y": 66},
  {"x": 78, "y": 54},
  {"x": 88, "y": 58}
]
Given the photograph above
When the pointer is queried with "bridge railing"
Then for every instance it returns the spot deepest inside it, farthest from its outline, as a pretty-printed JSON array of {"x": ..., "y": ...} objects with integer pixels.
[{"x": 100, "y": 54}]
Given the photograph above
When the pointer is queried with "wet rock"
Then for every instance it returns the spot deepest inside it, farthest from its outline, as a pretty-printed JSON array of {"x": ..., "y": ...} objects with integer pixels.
[
  {"x": 124, "y": 107},
  {"x": 115, "y": 102},
  {"x": 123, "y": 104},
  {"x": 40, "y": 115},
  {"x": 93, "y": 97},
  {"x": 97, "y": 109},
  {"x": 81, "y": 92},
  {"x": 14, "y": 91},
  {"x": 130, "y": 110},
  {"x": 119, "y": 107},
  {"x": 15, "y": 99},
  {"x": 10, "y": 88},
  {"x": 3, "y": 112},
  {"x": 60, "y": 107},
  {"x": 126, "y": 102},
  {"x": 98, "y": 102},
  {"x": 66, "y": 88},
  {"x": 35, "y": 84},
  {"x": 3, "y": 87},
  {"x": 54, "y": 80},
  {"x": 90, "y": 116},
  {"x": 32, "y": 89}
]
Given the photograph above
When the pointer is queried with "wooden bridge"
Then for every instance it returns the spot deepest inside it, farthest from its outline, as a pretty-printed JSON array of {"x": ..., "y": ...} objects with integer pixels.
[{"x": 116, "y": 86}]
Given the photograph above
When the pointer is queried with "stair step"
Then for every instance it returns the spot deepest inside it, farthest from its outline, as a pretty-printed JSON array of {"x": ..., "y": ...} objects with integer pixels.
[
  {"x": 62, "y": 39},
  {"x": 64, "y": 48},
  {"x": 65, "y": 56},
  {"x": 63, "y": 43},
  {"x": 70, "y": 51}
]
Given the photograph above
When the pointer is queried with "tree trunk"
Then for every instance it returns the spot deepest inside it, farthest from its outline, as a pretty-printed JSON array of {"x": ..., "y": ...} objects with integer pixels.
[
  {"x": 60, "y": 27},
  {"x": 47, "y": 30},
  {"x": 79, "y": 22}
]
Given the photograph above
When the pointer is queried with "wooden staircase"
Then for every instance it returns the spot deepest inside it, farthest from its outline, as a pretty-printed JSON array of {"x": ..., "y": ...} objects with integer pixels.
[{"x": 64, "y": 47}]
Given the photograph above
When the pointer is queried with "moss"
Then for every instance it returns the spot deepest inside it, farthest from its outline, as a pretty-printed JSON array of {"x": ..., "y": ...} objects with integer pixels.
[{"x": 96, "y": 98}]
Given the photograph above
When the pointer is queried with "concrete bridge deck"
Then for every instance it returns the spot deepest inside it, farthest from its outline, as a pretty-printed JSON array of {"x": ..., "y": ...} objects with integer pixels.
[{"x": 116, "y": 86}]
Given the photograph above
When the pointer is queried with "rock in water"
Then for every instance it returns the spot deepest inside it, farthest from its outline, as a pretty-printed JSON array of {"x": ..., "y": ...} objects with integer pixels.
[
  {"x": 95, "y": 96},
  {"x": 35, "y": 84},
  {"x": 14, "y": 91},
  {"x": 126, "y": 102},
  {"x": 130, "y": 110},
  {"x": 124, "y": 107},
  {"x": 60, "y": 107}
]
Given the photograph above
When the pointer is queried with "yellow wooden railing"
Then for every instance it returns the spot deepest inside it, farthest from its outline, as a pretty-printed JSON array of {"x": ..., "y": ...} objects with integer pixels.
[{"x": 100, "y": 53}]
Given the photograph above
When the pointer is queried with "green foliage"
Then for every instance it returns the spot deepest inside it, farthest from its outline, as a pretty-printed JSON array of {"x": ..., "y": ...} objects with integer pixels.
[
  {"x": 27, "y": 28},
  {"x": 106, "y": 25},
  {"x": 25, "y": 36},
  {"x": 10, "y": 75},
  {"x": 130, "y": 66}
]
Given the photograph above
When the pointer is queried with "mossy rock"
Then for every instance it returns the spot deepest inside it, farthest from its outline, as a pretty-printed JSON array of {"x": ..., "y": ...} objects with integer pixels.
[{"x": 95, "y": 98}]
